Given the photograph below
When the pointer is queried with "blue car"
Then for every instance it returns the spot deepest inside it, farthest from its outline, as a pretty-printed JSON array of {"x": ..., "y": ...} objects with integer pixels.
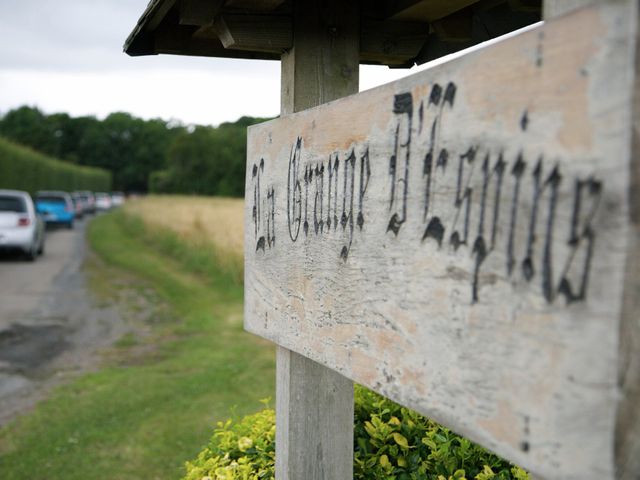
[{"x": 55, "y": 208}]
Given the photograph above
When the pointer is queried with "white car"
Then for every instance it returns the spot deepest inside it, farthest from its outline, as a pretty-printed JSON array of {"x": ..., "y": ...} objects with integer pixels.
[
  {"x": 103, "y": 201},
  {"x": 20, "y": 227},
  {"x": 117, "y": 199}
]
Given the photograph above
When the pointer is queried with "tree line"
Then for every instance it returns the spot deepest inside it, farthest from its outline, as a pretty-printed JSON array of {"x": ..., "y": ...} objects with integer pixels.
[{"x": 142, "y": 155}]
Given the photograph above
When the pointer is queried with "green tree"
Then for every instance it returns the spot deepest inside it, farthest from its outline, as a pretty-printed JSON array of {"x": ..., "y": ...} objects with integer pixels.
[
  {"x": 200, "y": 160},
  {"x": 29, "y": 126},
  {"x": 206, "y": 161}
]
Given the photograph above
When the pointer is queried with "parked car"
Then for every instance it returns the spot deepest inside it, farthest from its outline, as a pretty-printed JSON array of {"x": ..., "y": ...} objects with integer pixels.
[
  {"x": 117, "y": 199},
  {"x": 89, "y": 200},
  {"x": 79, "y": 205},
  {"x": 56, "y": 207},
  {"x": 20, "y": 226},
  {"x": 103, "y": 201}
]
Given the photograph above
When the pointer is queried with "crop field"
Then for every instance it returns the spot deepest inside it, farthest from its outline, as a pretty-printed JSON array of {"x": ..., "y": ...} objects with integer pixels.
[{"x": 213, "y": 222}]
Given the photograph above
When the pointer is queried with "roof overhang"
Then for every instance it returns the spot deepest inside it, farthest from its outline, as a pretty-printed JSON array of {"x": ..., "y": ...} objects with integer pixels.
[{"x": 397, "y": 33}]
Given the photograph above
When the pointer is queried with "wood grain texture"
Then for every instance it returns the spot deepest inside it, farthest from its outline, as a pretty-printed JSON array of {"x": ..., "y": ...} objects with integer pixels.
[
  {"x": 555, "y": 8},
  {"x": 320, "y": 67},
  {"x": 260, "y": 33},
  {"x": 314, "y": 404},
  {"x": 627, "y": 439},
  {"x": 314, "y": 420},
  {"x": 462, "y": 242}
]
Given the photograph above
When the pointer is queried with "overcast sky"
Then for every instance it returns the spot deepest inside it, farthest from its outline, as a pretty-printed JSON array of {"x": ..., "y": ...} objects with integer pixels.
[{"x": 66, "y": 56}]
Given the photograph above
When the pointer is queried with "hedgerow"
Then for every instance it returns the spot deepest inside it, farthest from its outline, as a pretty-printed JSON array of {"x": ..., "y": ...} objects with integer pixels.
[
  {"x": 391, "y": 443},
  {"x": 24, "y": 169}
]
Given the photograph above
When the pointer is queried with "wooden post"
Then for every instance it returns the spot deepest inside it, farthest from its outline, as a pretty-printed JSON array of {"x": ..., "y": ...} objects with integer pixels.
[{"x": 314, "y": 405}]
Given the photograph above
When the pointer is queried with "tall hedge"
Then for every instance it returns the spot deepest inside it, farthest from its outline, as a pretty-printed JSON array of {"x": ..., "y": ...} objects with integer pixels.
[{"x": 24, "y": 169}]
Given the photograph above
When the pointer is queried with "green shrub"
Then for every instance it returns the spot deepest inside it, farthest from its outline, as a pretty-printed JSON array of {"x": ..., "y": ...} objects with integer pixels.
[
  {"x": 243, "y": 450},
  {"x": 24, "y": 169},
  {"x": 391, "y": 443}
]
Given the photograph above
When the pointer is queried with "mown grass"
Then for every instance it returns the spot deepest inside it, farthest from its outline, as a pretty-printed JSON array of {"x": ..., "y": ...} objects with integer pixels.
[{"x": 153, "y": 404}]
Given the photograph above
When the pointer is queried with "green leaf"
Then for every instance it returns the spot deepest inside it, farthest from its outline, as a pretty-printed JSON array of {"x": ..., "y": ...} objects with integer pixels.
[{"x": 400, "y": 440}]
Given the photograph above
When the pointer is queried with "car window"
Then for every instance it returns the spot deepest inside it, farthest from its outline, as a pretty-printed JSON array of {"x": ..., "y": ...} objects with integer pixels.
[
  {"x": 12, "y": 204},
  {"x": 50, "y": 198}
]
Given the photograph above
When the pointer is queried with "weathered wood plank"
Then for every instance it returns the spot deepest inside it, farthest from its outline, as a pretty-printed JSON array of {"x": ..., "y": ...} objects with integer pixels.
[
  {"x": 555, "y": 8},
  {"x": 314, "y": 420},
  {"x": 239, "y": 32},
  {"x": 391, "y": 42},
  {"x": 627, "y": 436},
  {"x": 627, "y": 440},
  {"x": 314, "y": 405},
  {"x": 459, "y": 240}
]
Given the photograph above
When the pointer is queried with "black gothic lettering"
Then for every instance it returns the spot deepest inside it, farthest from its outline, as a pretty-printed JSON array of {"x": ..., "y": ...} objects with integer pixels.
[
  {"x": 581, "y": 236},
  {"x": 480, "y": 248},
  {"x": 294, "y": 192},
  {"x": 347, "y": 202},
  {"x": 463, "y": 195},
  {"x": 365, "y": 174},
  {"x": 402, "y": 105},
  {"x": 318, "y": 220},
  {"x": 517, "y": 172},
  {"x": 539, "y": 187}
]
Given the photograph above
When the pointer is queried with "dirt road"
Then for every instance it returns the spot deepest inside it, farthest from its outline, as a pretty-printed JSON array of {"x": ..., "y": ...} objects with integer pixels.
[{"x": 49, "y": 325}]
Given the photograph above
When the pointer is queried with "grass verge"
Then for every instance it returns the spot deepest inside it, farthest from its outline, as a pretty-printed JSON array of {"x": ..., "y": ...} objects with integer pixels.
[{"x": 154, "y": 402}]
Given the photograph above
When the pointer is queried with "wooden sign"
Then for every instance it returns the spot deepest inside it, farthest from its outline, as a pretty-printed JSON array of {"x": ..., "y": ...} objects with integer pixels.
[{"x": 457, "y": 240}]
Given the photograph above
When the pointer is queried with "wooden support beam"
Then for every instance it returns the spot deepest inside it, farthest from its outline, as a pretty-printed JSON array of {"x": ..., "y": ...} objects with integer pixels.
[
  {"x": 386, "y": 42},
  {"x": 314, "y": 405},
  {"x": 261, "y": 33},
  {"x": 323, "y": 63},
  {"x": 455, "y": 28},
  {"x": 204, "y": 42},
  {"x": 391, "y": 42}
]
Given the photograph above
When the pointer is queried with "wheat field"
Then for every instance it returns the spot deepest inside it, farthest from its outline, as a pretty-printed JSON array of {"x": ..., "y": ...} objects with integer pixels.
[{"x": 214, "y": 221}]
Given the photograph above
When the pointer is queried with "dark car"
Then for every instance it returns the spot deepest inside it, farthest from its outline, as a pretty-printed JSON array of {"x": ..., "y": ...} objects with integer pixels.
[
  {"x": 80, "y": 204},
  {"x": 88, "y": 199}
]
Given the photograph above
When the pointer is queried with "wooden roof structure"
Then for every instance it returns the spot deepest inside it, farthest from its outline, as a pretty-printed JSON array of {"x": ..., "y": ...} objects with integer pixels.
[{"x": 396, "y": 33}]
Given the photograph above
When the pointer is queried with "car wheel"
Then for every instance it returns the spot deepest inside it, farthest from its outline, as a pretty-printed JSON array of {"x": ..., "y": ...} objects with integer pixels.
[
  {"x": 32, "y": 253},
  {"x": 70, "y": 225},
  {"x": 41, "y": 249}
]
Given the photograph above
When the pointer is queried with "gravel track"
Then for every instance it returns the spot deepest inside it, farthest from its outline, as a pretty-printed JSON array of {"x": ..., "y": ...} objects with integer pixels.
[{"x": 50, "y": 327}]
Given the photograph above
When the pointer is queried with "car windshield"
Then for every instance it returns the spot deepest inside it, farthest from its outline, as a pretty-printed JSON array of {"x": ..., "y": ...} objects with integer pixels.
[
  {"x": 12, "y": 204},
  {"x": 50, "y": 198}
]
